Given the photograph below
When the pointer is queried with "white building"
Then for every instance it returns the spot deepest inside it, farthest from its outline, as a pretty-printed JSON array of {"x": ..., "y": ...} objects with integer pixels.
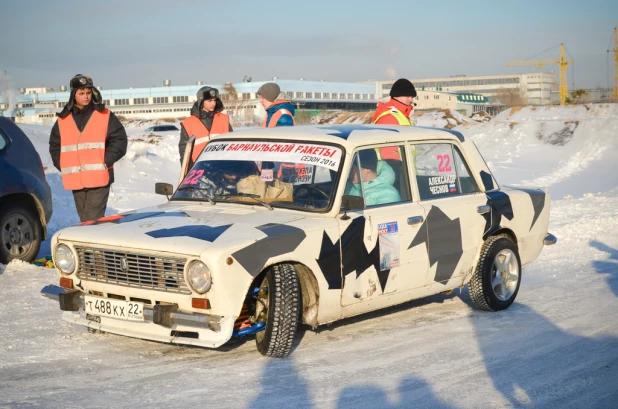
[{"x": 536, "y": 88}]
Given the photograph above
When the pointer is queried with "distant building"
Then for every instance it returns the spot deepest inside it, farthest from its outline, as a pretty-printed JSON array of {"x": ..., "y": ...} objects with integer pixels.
[
  {"x": 240, "y": 100},
  {"x": 535, "y": 88},
  {"x": 39, "y": 90}
]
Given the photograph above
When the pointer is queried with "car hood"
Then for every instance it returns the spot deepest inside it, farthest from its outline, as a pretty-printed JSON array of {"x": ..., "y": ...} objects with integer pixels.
[{"x": 180, "y": 228}]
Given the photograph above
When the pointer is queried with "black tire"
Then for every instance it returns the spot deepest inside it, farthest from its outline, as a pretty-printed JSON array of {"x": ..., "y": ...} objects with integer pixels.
[
  {"x": 281, "y": 290},
  {"x": 491, "y": 293},
  {"x": 20, "y": 233}
]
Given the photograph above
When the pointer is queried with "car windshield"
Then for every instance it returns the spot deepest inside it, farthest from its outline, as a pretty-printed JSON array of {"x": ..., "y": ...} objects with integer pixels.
[{"x": 274, "y": 174}]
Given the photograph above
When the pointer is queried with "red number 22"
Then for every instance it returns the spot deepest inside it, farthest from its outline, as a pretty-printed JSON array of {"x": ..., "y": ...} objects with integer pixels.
[
  {"x": 193, "y": 177},
  {"x": 445, "y": 163}
]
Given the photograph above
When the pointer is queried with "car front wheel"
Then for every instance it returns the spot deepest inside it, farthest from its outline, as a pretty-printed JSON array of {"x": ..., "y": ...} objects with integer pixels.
[
  {"x": 495, "y": 281},
  {"x": 20, "y": 233},
  {"x": 278, "y": 301}
]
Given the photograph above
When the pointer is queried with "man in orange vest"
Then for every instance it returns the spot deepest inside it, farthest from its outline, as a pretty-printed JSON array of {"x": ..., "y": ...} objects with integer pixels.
[
  {"x": 397, "y": 111},
  {"x": 84, "y": 144},
  {"x": 206, "y": 121},
  {"x": 279, "y": 109}
]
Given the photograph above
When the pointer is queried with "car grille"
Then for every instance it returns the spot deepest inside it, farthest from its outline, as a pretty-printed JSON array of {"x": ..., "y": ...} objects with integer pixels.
[{"x": 132, "y": 270}]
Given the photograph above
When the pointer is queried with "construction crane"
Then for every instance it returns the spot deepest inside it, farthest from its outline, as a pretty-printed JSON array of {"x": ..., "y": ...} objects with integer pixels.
[
  {"x": 562, "y": 62},
  {"x": 615, "y": 51}
]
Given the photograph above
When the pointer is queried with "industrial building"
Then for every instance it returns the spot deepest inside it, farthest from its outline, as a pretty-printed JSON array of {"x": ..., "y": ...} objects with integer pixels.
[
  {"x": 40, "y": 105},
  {"x": 535, "y": 88}
]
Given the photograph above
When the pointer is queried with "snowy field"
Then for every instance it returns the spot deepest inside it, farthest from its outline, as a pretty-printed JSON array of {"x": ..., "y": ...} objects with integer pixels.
[{"x": 556, "y": 347}]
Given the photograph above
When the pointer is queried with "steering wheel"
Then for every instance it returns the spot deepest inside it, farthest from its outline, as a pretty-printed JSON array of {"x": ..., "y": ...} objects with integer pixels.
[{"x": 310, "y": 188}]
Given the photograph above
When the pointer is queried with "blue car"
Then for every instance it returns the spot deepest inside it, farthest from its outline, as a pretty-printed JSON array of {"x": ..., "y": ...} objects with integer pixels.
[{"x": 25, "y": 196}]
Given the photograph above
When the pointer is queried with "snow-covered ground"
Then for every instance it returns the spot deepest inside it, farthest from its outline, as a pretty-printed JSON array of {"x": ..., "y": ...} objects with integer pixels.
[{"x": 556, "y": 347}]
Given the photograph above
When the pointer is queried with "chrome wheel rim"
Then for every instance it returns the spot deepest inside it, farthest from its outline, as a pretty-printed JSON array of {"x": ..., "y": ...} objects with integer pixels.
[
  {"x": 505, "y": 275},
  {"x": 17, "y": 236}
]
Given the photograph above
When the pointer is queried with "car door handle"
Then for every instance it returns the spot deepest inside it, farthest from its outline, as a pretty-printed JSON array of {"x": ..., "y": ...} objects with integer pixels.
[
  {"x": 415, "y": 220},
  {"x": 483, "y": 209}
]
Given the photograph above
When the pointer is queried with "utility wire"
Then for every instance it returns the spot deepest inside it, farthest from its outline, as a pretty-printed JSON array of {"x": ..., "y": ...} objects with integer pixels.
[{"x": 543, "y": 52}]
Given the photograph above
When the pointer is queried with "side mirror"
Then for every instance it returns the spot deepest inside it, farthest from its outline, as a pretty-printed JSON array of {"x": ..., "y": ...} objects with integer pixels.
[
  {"x": 350, "y": 202},
  {"x": 164, "y": 189}
]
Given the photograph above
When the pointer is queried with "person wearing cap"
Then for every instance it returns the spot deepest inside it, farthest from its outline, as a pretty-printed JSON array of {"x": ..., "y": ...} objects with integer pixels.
[
  {"x": 377, "y": 178},
  {"x": 206, "y": 121},
  {"x": 279, "y": 109},
  {"x": 397, "y": 111},
  {"x": 84, "y": 144}
]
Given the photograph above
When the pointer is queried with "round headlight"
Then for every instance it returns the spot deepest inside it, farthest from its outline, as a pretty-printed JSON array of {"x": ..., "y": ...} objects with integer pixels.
[
  {"x": 198, "y": 277},
  {"x": 64, "y": 259}
]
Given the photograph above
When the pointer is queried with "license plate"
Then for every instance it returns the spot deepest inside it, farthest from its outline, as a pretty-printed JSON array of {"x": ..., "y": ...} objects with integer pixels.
[{"x": 109, "y": 307}]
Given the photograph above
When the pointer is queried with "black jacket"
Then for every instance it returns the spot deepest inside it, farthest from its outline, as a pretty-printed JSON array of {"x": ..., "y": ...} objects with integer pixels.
[
  {"x": 205, "y": 117},
  {"x": 115, "y": 142}
]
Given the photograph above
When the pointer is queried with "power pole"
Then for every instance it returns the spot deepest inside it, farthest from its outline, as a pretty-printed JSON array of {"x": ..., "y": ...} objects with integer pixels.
[
  {"x": 6, "y": 88},
  {"x": 615, "y": 51}
]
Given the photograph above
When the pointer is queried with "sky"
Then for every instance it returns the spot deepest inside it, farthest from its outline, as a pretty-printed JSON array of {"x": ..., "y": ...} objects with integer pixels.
[{"x": 141, "y": 43}]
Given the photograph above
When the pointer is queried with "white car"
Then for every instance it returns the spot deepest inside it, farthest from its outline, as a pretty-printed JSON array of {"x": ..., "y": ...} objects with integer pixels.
[{"x": 272, "y": 227}]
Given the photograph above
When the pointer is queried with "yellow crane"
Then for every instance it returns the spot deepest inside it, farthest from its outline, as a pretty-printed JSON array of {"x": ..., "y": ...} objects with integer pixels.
[
  {"x": 562, "y": 62},
  {"x": 615, "y": 51}
]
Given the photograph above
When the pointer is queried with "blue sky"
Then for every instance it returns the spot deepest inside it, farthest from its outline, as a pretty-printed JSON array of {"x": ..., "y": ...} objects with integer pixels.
[{"x": 141, "y": 43}]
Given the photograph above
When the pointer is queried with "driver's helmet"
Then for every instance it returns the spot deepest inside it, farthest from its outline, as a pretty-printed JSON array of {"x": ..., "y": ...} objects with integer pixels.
[
  {"x": 239, "y": 169},
  {"x": 236, "y": 167}
]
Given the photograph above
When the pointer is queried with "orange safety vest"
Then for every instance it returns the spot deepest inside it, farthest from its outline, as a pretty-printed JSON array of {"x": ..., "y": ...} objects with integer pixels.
[
  {"x": 275, "y": 118},
  {"x": 82, "y": 154},
  {"x": 299, "y": 170},
  {"x": 195, "y": 127}
]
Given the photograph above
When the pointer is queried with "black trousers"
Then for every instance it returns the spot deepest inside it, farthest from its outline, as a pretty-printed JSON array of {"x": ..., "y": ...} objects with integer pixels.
[{"x": 91, "y": 202}]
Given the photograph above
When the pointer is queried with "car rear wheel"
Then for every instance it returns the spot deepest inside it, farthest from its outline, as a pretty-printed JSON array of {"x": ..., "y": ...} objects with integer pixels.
[
  {"x": 278, "y": 302},
  {"x": 495, "y": 281},
  {"x": 20, "y": 233}
]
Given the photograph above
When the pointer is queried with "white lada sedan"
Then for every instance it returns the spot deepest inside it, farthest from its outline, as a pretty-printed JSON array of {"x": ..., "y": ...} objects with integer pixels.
[{"x": 313, "y": 224}]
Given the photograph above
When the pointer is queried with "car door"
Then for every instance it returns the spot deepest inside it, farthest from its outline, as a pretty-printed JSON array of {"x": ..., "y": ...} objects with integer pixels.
[
  {"x": 454, "y": 208},
  {"x": 377, "y": 256}
]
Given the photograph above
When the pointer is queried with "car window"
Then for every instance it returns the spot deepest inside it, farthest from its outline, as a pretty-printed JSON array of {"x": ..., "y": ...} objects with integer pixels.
[
  {"x": 441, "y": 171},
  {"x": 289, "y": 174},
  {"x": 4, "y": 142},
  {"x": 383, "y": 173},
  {"x": 467, "y": 184}
]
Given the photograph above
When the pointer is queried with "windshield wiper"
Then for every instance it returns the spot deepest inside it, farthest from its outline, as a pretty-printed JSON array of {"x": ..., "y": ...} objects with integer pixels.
[
  {"x": 200, "y": 189},
  {"x": 252, "y": 196}
]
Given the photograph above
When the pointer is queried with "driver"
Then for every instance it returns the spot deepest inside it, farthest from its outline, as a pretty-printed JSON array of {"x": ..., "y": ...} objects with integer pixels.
[
  {"x": 222, "y": 177},
  {"x": 376, "y": 177}
]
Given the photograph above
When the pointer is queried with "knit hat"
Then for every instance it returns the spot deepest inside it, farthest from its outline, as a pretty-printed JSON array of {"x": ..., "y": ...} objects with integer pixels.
[
  {"x": 368, "y": 159},
  {"x": 403, "y": 88},
  {"x": 270, "y": 91}
]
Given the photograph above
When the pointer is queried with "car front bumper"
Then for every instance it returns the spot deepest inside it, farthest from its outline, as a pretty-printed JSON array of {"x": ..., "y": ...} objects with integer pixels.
[{"x": 161, "y": 323}]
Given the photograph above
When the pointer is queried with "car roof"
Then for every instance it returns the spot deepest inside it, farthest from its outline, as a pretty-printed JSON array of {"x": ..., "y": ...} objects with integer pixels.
[{"x": 348, "y": 135}]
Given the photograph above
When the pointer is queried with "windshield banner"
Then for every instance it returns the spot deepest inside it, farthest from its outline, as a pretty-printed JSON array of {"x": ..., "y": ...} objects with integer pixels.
[{"x": 320, "y": 155}]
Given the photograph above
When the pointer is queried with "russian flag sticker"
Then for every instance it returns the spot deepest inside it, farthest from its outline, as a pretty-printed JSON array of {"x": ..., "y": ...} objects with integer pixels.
[{"x": 452, "y": 188}]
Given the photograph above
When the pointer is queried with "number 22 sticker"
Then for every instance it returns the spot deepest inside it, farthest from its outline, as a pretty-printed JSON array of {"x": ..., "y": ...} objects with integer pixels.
[
  {"x": 193, "y": 177},
  {"x": 445, "y": 163}
]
